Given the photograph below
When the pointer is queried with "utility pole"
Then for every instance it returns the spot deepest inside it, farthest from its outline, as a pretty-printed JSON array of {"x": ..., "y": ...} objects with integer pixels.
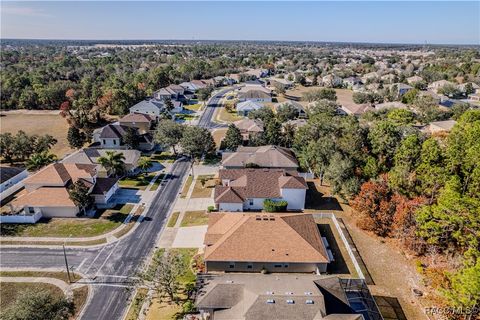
[{"x": 66, "y": 261}]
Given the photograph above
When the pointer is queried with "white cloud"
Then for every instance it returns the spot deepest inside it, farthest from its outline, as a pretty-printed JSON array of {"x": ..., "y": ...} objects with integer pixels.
[{"x": 22, "y": 11}]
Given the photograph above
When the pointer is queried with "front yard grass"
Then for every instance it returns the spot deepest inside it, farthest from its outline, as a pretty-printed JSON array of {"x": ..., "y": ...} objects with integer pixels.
[
  {"x": 164, "y": 156},
  {"x": 43, "y": 274},
  {"x": 173, "y": 219},
  {"x": 186, "y": 187},
  {"x": 103, "y": 222},
  {"x": 225, "y": 116},
  {"x": 193, "y": 107},
  {"x": 11, "y": 291},
  {"x": 218, "y": 136},
  {"x": 203, "y": 191},
  {"x": 136, "y": 305},
  {"x": 140, "y": 181},
  {"x": 194, "y": 218},
  {"x": 157, "y": 182}
]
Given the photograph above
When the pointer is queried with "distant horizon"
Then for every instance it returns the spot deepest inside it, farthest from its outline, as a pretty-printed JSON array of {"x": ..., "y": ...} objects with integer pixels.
[
  {"x": 99, "y": 41},
  {"x": 381, "y": 22}
]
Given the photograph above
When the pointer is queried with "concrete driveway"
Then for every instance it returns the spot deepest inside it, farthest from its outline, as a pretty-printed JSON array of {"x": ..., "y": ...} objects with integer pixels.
[
  {"x": 190, "y": 237},
  {"x": 125, "y": 195}
]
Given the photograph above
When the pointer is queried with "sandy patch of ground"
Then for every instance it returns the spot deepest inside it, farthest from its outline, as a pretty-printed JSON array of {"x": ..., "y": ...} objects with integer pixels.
[{"x": 37, "y": 122}]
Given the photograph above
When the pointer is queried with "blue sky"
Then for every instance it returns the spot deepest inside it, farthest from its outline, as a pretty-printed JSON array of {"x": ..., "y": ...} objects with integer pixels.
[{"x": 442, "y": 22}]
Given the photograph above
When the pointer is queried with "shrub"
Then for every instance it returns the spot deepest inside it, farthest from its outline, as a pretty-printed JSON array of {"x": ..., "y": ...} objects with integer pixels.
[
  {"x": 211, "y": 209},
  {"x": 274, "y": 206}
]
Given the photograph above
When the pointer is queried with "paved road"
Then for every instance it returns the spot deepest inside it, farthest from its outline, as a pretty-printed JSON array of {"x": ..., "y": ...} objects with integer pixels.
[
  {"x": 109, "y": 268},
  {"x": 214, "y": 102}
]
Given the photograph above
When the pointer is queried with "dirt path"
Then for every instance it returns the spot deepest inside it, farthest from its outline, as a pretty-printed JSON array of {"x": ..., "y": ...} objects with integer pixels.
[{"x": 394, "y": 275}]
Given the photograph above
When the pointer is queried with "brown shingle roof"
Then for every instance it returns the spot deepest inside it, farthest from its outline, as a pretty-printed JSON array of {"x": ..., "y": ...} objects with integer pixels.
[
  {"x": 291, "y": 238},
  {"x": 136, "y": 117},
  {"x": 45, "y": 197},
  {"x": 249, "y": 125},
  {"x": 255, "y": 183},
  {"x": 269, "y": 156},
  {"x": 62, "y": 173}
]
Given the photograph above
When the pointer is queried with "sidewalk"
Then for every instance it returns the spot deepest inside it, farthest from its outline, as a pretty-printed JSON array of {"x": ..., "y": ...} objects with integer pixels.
[{"x": 146, "y": 197}]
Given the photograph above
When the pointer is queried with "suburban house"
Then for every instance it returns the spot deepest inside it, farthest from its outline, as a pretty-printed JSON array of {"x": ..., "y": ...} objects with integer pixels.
[
  {"x": 244, "y": 108},
  {"x": 155, "y": 107},
  {"x": 91, "y": 155},
  {"x": 301, "y": 113},
  {"x": 284, "y": 296},
  {"x": 249, "y": 127},
  {"x": 47, "y": 191},
  {"x": 254, "y": 242},
  {"x": 414, "y": 79},
  {"x": 355, "y": 109},
  {"x": 283, "y": 83},
  {"x": 173, "y": 92},
  {"x": 142, "y": 122},
  {"x": 257, "y": 73},
  {"x": 194, "y": 85},
  {"x": 332, "y": 81},
  {"x": 402, "y": 88},
  {"x": 112, "y": 136},
  {"x": 436, "y": 85},
  {"x": 351, "y": 82},
  {"x": 11, "y": 180},
  {"x": 270, "y": 156},
  {"x": 440, "y": 126},
  {"x": 247, "y": 189},
  {"x": 254, "y": 93},
  {"x": 391, "y": 105}
]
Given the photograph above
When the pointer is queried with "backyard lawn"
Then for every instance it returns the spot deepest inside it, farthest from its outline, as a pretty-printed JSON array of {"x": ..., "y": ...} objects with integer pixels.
[
  {"x": 194, "y": 218},
  {"x": 103, "y": 222},
  {"x": 140, "y": 181},
  {"x": 203, "y": 191}
]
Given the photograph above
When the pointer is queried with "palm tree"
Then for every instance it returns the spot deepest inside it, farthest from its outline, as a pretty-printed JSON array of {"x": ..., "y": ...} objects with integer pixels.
[
  {"x": 38, "y": 160},
  {"x": 113, "y": 162},
  {"x": 144, "y": 164}
]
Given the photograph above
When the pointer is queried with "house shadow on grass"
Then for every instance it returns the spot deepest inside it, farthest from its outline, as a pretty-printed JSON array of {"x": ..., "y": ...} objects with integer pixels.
[
  {"x": 339, "y": 266},
  {"x": 390, "y": 308},
  {"x": 318, "y": 201}
]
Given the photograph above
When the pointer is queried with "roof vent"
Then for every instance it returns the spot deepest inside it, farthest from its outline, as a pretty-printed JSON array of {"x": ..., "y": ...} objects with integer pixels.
[
  {"x": 289, "y": 293},
  {"x": 309, "y": 302},
  {"x": 265, "y": 218},
  {"x": 272, "y": 218},
  {"x": 270, "y": 292},
  {"x": 229, "y": 281},
  {"x": 290, "y": 301},
  {"x": 270, "y": 301},
  {"x": 258, "y": 218},
  {"x": 308, "y": 293}
]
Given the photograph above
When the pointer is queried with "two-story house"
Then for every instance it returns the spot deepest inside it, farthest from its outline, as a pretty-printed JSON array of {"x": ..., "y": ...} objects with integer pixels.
[{"x": 112, "y": 136}]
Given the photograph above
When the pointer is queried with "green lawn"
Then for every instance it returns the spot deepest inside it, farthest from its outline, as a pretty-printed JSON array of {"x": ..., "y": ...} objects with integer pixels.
[
  {"x": 11, "y": 291},
  {"x": 157, "y": 182},
  {"x": 163, "y": 157},
  {"x": 194, "y": 218},
  {"x": 193, "y": 107},
  {"x": 140, "y": 181},
  {"x": 173, "y": 219},
  {"x": 103, "y": 222},
  {"x": 186, "y": 187}
]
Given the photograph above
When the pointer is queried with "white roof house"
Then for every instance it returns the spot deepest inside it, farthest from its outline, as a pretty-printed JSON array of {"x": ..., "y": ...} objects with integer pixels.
[{"x": 243, "y": 108}]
